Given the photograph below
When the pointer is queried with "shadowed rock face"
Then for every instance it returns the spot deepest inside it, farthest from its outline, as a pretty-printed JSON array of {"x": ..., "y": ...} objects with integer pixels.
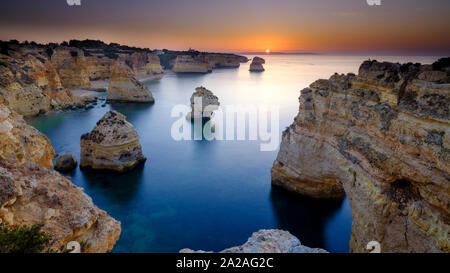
[
  {"x": 257, "y": 64},
  {"x": 30, "y": 193},
  {"x": 142, "y": 63},
  {"x": 382, "y": 138},
  {"x": 123, "y": 86},
  {"x": 268, "y": 241},
  {"x": 187, "y": 64},
  {"x": 72, "y": 67},
  {"x": 209, "y": 102},
  {"x": 113, "y": 144}
]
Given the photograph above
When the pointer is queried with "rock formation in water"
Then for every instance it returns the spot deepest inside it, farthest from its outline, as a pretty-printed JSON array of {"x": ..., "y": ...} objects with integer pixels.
[
  {"x": 30, "y": 193},
  {"x": 123, "y": 86},
  {"x": 66, "y": 162},
  {"x": 257, "y": 64},
  {"x": 382, "y": 138},
  {"x": 203, "y": 104},
  {"x": 268, "y": 241},
  {"x": 221, "y": 60},
  {"x": 113, "y": 144},
  {"x": 187, "y": 64}
]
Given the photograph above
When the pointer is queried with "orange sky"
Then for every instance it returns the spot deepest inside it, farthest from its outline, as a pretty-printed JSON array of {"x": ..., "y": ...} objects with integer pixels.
[{"x": 246, "y": 25}]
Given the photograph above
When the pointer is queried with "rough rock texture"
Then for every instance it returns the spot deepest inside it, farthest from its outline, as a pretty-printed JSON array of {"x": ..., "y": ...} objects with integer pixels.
[
  {"x": 30, "y": 193},
  {"x": 113, "y": 144},
  {"x": 382, "y": 138},
  {"x": 72, "y": 67},
  {"x": 30, "y": 84},
  {"x": 203, "y": 103},
  {"x": 123, "y": 86},
  {"x": 220, "y": 60},
  {"x": 21, "y": 142},
  {"x": 257, "y": 64},
  {"x": 99, "y": 67},
  {"x": 66, "y": 162},
  {"x": 142, "y": 63},
  {"x": 268, "y": 241},
  {"x": 187, "y": 64}
]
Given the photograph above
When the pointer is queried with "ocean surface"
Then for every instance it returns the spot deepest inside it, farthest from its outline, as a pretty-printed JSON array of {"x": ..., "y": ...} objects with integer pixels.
[{"x": 209, "y": 195}]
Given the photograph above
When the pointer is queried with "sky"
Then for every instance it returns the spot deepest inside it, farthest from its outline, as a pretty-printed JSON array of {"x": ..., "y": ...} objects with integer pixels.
[{"x": 322, "y": 26}]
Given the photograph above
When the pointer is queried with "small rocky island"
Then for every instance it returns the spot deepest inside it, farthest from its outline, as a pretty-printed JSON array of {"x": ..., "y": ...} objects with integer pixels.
[
  {"x": 123, "y": 86},
  {"x": 268, "y": 241},
  {"x": 382, "y": 138},
  {"x": 113, "y": 144},
  {"x": 257, "y": 64},
  {"x": 203, "y": 104}
]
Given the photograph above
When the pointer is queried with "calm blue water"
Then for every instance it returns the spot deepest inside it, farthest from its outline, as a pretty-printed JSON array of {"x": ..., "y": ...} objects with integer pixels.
[{"x": 209, "y": 195}]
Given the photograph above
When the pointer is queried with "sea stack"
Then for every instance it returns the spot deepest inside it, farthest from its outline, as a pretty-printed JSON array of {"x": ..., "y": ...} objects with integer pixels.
[
  {"x": 203, "y": 104},
  {"x": 257, "y": 64},
  {"x": 382, "y": 138},
  {"x": 187, "y": 64},
  {"x": 123, "y": 86},
  {"x": 113, "y": 144}
]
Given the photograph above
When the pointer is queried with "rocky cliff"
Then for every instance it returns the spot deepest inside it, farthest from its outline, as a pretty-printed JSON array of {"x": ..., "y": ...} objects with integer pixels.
[
  {"x": 123, "y": 86},
  {"x": 72, "y": 67},
  {"x": 268, "y": 241},
  {"x": 220, "y": 60},
  {"x": 382, "y": 138},
  {"x": 203, "y": 104},
  {"x": 142, "y": 63},
  {"x": 113, "y": 144},
  {"x": 257, "y": 64},
  {"x": 30, "y": 193},
  {"x": 187, "y": 64}
]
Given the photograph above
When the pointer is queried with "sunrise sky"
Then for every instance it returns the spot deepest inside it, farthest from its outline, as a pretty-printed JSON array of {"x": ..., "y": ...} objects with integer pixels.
[{"x": 323, "y": 26}]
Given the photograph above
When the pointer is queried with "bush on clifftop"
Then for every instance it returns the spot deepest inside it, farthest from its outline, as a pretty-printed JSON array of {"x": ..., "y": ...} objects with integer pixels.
[{"x": 23, "y": 239}]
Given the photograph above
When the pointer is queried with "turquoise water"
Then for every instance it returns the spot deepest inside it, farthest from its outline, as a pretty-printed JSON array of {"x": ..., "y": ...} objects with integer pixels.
[{"x": 209, "y": 195}]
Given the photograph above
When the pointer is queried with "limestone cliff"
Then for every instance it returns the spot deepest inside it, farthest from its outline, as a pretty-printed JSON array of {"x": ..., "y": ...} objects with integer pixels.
[
  {"x": 268, "y": 241},
  {"x": 220, "y": 60},
  {"x": 382, "y": 138},
  {"x": 203, "y": 104},
  {"x": 142, "y": 63},
  {"x": 123, "y": 86},
  {"x": 72, "y": 67},
  {"x": 99, "y": 67},
  {"x": 113, "y": 144},
  {"x": 30, "y": 193},
  {"x": 187, "y": 64}
]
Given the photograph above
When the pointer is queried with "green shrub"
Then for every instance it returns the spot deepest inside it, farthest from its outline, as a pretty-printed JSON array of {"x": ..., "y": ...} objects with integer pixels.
[{"x": 23, "y": 239}]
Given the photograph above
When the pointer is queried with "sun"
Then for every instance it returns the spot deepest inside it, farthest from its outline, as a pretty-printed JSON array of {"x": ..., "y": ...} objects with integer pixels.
[{"x": 267, "y": 50}]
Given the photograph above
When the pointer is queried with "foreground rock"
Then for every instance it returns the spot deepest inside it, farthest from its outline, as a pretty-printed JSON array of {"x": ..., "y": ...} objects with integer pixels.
[
  {"x": 66, "y": 162},
  {"x": 187, "y": 64},
  {"x": 257, "y": 64},
  {"x": 30, "y": 193},
  {"x": 113, "y": 144},
  {"x": 383, "y": 139},
  {"x": 123, "y": 86},
  {"x": 203, "y": 104},
  {"x": 268, "y": 241}
]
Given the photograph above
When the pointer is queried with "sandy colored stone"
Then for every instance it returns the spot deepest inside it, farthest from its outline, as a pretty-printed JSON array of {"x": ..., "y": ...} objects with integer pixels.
[
  {"x": 113, "y": 144},
  {"x": 124, "y": 86},
  {"x": 187, "y": 64},
  {"x": 207, "y": 103},
  {"x": 382, "y": 138},
  {"x": 257, "y": 64}
]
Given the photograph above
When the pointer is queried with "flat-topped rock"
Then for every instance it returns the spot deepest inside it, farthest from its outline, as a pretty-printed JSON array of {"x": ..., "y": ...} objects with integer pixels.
[
  {"x": 203, "y": 104},
  {"x": 187, "y": 64},
  {"x": 257, "y": 64},
  {"x": 113, "y": 144},
  {"x": 123, "y": 86},
  {"x": 268, "y": 241}
]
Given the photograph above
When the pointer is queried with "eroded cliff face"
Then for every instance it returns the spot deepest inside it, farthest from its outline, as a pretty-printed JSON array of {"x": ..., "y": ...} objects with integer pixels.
[
  {"x": 187, "y": 64},
  {"x": 382, "y": 138},
  {"x": 30, "y": 84},
  {"x": 30, "y": 193},
  {"x": 221, "y": 60},
  {"x": 113, "y": 144},
  {"x": 123, "y": 86},
  {"x": 142, "y": 63}
]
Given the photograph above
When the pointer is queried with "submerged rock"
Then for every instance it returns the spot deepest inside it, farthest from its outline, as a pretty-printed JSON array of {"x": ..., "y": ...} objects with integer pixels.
[
  {"x": 268, "y": 241},
  {"x": 124, "y": 86},
  {"x": 66, "y": 162},
  {"x": 382, "y": 138},
  {"x": 113, "y": 144},
  {"x": 257, "y": 64},
  {"x": 203, "y": 103}
]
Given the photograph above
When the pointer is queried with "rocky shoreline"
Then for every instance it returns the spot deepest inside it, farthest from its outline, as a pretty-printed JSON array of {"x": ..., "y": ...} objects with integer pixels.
[{"x": 382, "y": 138}]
